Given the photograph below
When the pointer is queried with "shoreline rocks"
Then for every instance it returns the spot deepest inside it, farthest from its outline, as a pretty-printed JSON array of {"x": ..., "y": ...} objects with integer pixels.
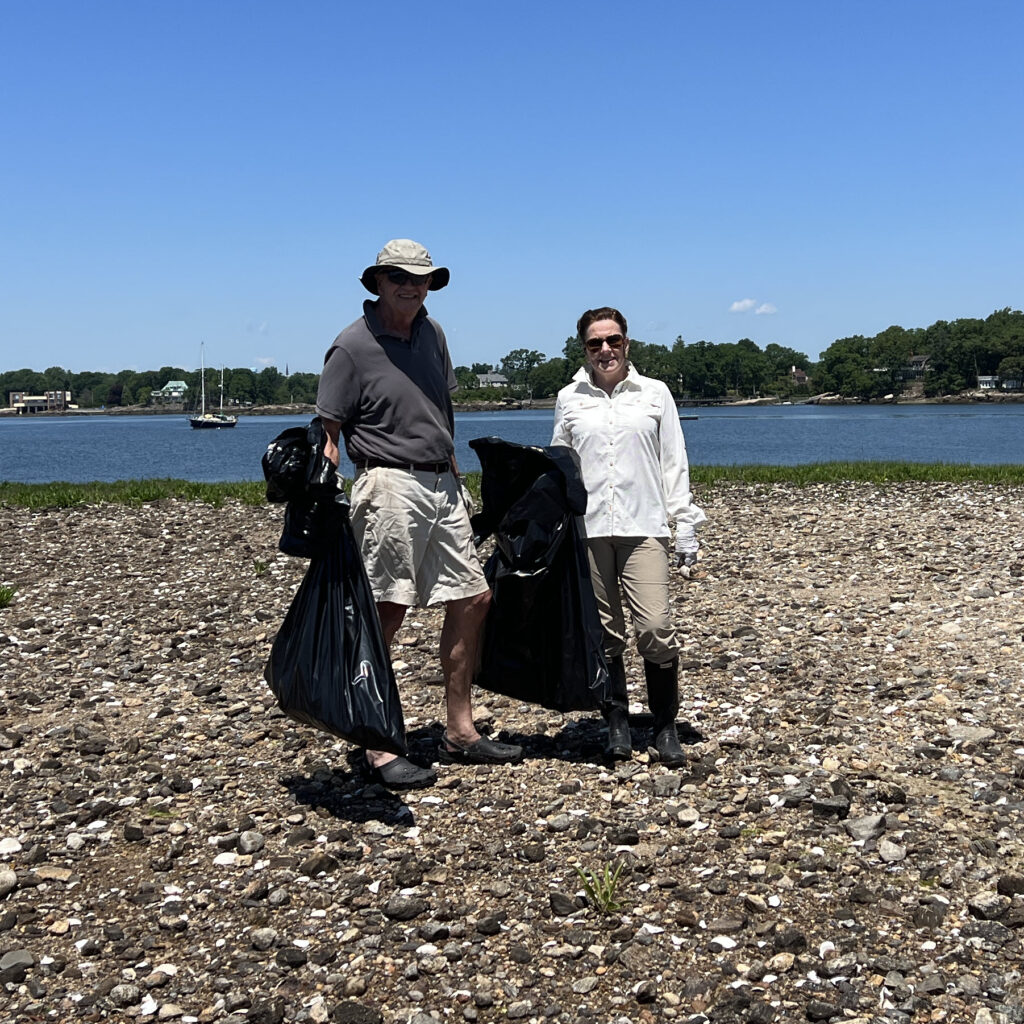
[{"x": 843, "y": 844}]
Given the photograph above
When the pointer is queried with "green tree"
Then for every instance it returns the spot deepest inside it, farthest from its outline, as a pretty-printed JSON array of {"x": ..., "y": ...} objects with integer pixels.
[
  {"x": 549, "y": 377},
  {"x": 25, "y": 380},
  {"x": 269, "y": 384},
  {"x": 241, "y": 386},
  {"x": 516, "y": 366},
  {"x": 701, "y": 369},
  {"x": 781, "y": 361},
  {"x": 572, "y": 352},
  {"x": 1012, "y": 368},
  {"x": 654, "y": 361},
  {"x": 57, "y": 378}
]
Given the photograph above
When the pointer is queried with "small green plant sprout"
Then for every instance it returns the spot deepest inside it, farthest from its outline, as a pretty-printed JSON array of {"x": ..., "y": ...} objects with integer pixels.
[
  {"x": 6, "y": 595},
  {"x": 600, "y": 887},
  {"x": 259, "y": 567}
]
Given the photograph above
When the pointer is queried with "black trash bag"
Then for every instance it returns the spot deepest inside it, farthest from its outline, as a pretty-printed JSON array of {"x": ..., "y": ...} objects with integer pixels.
[
  {"x": 329, "y": 665},
  {"x": 298, "y": 472},
  {"x": 543, "y": 641},
  {"x": 290, "y": 463}
]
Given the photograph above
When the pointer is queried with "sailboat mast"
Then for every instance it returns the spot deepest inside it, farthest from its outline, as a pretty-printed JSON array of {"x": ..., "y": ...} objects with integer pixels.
[{"x": 202, "y": 370}]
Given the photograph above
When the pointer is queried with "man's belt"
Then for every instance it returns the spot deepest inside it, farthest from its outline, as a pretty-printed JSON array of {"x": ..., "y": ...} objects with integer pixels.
[{"x": 409, "y": 467}]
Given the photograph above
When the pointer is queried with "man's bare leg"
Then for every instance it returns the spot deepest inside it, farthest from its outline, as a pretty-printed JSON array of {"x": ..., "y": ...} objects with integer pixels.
[
  {"x": 460, "y": 641},
  {"x": 391, "y": 618}
]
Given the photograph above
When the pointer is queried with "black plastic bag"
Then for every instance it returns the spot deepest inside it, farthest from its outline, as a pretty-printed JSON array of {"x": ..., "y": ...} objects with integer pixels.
[
  {"x": 329, "y": 665},
  {"x": 543, "y": 642},
  {"x": 298, "y": 472},
  {"x": 294, "y": 461}
]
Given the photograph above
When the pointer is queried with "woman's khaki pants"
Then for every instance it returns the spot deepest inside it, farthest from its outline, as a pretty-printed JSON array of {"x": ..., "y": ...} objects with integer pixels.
[{"x": 635, "y": 568}]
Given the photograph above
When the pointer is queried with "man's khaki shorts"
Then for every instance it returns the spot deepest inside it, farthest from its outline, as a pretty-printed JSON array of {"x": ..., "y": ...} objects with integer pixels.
[{"x": 416, "y": 540}]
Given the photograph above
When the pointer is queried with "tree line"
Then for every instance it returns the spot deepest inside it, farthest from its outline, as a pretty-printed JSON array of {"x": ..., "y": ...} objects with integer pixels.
[
  {"x": 93, "y": 390},
  {"x": 957, "y": 351}
]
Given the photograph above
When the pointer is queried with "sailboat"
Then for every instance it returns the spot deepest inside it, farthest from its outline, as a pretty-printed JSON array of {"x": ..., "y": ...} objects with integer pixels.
[{"x": 209, "y": 420}]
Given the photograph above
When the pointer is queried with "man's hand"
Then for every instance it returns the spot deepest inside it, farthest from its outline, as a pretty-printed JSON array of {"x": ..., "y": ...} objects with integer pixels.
[{"x": 687, "y": 547}]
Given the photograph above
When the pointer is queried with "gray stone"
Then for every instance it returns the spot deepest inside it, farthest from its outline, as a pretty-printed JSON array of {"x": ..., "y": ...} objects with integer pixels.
[
  {"x": 125, "y": 995},
  {"x": 250, "y": 842},
  {"x": 8, "y": 882},
  {"x": 561, "y": 904},
  {"x": 405, "y": 908},
  {"x": 17, "y": 959},
  {"x": 869, "y": 826},
  {"x": 263, "y": 938}
]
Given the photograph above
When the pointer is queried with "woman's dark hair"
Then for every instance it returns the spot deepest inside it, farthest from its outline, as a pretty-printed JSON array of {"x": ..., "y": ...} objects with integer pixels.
[{"x": 604, "y": 313}]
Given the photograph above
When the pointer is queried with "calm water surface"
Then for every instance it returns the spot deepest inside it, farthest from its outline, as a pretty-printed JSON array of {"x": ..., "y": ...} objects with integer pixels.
[{"x": 83, "y": 448}]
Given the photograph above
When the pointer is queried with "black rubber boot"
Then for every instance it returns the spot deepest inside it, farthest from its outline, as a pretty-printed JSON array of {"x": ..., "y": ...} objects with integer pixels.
[
  {"x": 620, "y": 745},
  {"x": 663, "y": 698}
]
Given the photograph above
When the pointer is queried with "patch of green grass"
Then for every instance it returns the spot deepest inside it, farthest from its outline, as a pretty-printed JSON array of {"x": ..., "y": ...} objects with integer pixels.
[
  {"x": 6, "y": 595},
  {"x": 128, "y": 492},
  {"x": 878, "y": 473},
  {"x": 160, "y": 812},
  {"x": 260, "y": 568},
  {"x": 600, "y": 887},
  {"x": 138, "y": 492}
]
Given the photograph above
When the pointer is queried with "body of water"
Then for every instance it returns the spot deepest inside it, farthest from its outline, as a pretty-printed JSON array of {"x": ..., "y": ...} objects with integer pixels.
[{"x": 84, "y": 448}]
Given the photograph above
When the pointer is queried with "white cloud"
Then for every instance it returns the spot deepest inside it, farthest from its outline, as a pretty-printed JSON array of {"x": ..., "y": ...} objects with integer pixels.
[
  {"x": 765, "y": 307},
  {"x": 266, "y": 360},
  {"x": 743, "y": 306}
]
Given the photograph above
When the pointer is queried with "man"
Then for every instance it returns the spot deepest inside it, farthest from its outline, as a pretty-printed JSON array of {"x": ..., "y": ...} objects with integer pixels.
[{"x": 386, "y": 387}]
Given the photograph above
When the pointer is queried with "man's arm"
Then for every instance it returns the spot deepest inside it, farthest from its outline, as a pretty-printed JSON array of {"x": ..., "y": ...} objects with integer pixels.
[{"x": 332, "y": 428}]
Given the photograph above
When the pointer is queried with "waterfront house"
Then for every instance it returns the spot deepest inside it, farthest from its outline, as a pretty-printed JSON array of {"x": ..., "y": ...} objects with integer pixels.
[
  {"x": 988, "y": 383},
  {"x": 51, "y": 401},
  {"x": 491, "y": 380},
  {"x": 916, "y": 368},
  {"x": 172, "y": 391}
]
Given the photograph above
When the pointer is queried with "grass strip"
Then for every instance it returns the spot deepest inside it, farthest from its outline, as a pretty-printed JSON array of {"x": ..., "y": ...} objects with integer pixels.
[
  {"x": 138, "y": 492},
  {"x": 127, "y": 492},
  {"x": 876, "y": 473}
]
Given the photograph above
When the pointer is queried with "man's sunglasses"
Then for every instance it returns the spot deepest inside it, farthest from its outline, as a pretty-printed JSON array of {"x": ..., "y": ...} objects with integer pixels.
[
  {"x": 612, "y": 341},
  {"x": 401, "y": 277}
]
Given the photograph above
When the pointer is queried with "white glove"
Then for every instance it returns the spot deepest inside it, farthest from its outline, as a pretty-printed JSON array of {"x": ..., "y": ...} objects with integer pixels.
[{"x": 687, "y": 546}]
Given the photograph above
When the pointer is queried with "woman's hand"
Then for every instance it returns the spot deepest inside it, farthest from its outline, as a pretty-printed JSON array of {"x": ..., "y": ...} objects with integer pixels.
[{"x": 687, "y": 547}]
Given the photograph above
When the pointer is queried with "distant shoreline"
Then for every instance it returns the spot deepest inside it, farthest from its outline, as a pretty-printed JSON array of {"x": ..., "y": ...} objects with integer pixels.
[{"x": 299, "y": 409}]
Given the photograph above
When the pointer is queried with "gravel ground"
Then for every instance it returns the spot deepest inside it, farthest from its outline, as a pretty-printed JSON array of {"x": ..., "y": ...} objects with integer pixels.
[{"x": 842, "y": 845}]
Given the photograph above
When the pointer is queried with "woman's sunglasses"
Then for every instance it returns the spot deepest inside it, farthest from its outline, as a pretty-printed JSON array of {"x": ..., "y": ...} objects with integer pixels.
[{"x": 612, "y": 341}]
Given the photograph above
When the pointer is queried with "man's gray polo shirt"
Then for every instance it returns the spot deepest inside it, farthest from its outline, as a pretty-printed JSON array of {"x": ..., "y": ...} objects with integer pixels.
[{"x": 391, "y": 396}]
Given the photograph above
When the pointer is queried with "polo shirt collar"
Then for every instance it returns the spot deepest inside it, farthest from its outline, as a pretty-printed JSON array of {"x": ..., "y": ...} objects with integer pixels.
[{"x": 378, "y": 329}]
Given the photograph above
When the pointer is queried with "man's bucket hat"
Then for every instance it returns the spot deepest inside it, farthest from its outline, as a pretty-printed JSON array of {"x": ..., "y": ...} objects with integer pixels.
[{"x": 405, "y": 254}]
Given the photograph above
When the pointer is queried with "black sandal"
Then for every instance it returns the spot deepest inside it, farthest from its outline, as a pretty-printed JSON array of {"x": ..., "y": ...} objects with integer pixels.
[
  {"x": 482, "y": 751},
  {"x": 402, "y": 774}
]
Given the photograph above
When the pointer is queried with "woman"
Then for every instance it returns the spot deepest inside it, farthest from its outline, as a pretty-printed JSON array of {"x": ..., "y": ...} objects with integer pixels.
[{"x": 626, "y": 430}]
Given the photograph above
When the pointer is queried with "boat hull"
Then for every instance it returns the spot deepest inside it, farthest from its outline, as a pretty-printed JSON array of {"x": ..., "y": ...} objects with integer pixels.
[{"x": 209, "y": 422}]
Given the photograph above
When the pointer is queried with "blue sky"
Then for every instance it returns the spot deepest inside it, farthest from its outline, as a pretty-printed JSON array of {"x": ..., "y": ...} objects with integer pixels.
[{"x": 222, "y": 171}]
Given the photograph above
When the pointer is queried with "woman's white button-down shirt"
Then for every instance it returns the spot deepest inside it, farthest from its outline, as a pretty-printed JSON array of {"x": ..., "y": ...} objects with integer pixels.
[{"x": 632, "y": 455}]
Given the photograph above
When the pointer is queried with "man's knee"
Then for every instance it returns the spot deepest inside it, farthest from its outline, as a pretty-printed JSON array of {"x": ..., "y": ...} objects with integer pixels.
[
  {"x": 470, "y": 610},
  {"x": 391, "y": 617}
]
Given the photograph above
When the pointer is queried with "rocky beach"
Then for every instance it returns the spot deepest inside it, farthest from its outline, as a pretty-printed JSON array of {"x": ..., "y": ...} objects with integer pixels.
[{"x": 843, "y": 845}]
